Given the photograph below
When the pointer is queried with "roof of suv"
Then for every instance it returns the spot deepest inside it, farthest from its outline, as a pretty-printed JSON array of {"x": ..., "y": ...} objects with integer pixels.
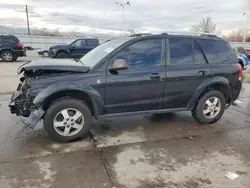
[
  {"x": 10, "y": 36},
  {"x": 89, "y": 38},
  {"x": 180, "y": 34}
]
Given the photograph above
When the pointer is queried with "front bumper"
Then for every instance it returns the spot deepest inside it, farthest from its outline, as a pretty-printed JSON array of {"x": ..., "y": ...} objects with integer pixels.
[
  {"x": 53, "y": 52},
  {"x": 22, "y": 106}
]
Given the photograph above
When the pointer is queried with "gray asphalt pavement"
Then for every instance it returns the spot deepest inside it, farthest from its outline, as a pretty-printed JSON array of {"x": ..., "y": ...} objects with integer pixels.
[{"x": 157, "y": 151}]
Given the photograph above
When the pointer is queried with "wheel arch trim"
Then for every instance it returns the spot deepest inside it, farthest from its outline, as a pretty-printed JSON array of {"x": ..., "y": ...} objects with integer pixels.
[
  {"x": 218, "y": 80},
  {"x": 96, "y": 100}
]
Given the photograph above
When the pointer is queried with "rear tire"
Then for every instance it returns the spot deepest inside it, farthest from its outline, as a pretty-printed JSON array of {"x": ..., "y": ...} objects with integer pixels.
[
  {"x": 210, "y": 107},
  {"x": 67, "y": 120},
  {"x": 62, "y": 55},
  {"x": 7, "y": 56}
]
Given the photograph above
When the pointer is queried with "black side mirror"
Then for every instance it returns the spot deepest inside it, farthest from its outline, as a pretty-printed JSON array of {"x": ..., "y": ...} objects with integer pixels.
[{"x": 119, "y": 64}]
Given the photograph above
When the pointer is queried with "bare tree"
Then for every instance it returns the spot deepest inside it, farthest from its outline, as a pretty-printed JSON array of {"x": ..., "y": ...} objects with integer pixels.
[
  {"x": 235, "y": 36},
  {"x": 205, "y": 25},
  {"x": 131, "y": 31}
]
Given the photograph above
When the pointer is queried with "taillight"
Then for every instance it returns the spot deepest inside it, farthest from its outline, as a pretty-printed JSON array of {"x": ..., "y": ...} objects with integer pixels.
[
  {"x": 19, "y": 44},
  {"x": 240, "y": 71}
]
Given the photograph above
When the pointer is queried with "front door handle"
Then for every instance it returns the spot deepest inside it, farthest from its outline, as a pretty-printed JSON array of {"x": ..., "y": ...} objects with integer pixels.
[
  {"x": 202, "y": 73},
  {"x": 155, "y": 76}
]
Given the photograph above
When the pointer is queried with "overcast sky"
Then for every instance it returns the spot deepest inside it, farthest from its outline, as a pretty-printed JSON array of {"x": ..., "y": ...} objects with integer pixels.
[{"x": 106, "y": 16}]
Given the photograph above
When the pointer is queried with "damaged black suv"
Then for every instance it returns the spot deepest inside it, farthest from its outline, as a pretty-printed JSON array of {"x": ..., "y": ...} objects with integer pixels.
[{"x": 141, "y": 74}]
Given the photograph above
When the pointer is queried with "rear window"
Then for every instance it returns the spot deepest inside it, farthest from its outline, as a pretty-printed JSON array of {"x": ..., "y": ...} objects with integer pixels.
[
  {"x": 217, "y": 51},
  {"x": 10, "y": 39}
]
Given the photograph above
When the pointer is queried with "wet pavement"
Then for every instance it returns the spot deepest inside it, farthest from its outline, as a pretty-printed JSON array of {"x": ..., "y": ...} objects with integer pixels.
[{"x": 168, "y": 150}]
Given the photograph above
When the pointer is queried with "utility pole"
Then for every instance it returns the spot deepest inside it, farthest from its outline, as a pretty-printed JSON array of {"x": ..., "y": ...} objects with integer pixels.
[
  {"x": 123, "y": 6},
  {"x": 245, "y": 31},
  {"x": 27, "y": 15}
]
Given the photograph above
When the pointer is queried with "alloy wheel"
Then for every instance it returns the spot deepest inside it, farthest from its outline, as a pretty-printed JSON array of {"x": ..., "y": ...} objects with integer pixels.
[
  {"x": 7, "y": 56},
  {"x": 68, "y": 122},
  {"x": 212, "y": 107}
]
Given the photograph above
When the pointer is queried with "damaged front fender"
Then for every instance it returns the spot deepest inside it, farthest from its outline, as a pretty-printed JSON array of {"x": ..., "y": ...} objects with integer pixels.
[{"x": 96, "y": 99}]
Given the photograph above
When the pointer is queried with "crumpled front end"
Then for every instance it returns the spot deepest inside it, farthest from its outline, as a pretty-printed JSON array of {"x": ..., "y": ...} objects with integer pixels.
[{"x": 22, "y": 104}]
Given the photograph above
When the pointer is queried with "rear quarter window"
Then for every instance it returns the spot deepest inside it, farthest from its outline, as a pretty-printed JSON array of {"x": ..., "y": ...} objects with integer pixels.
[{"x": 217, "y": 52}]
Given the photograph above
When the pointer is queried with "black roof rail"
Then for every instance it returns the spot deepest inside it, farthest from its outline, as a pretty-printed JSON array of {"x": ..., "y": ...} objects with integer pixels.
[
  {"x": 187, "y": 33},
  {"x": 140, "y": 34},
  {"x": 190, "y": 33}
]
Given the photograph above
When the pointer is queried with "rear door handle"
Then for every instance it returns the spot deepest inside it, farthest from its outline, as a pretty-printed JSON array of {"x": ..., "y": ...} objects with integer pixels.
[
  {"x": 155, "y": 76},
  {"x": 202, "y": 73}
]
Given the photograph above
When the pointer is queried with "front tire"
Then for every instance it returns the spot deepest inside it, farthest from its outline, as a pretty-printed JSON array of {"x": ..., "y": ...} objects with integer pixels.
[
  {"x": 7, "y": 56},
  {"x": 67, "y": 120},
  {"x": 46, "y": 54},
  {"x": 210, "y": 107},
  {"x": 62, "y": 55}
]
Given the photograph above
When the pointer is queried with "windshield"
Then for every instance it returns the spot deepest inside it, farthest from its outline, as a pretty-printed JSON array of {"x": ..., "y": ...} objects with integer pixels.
[
  {"x": 98, "y": 53},
  {"x": 70, "y": 42}
]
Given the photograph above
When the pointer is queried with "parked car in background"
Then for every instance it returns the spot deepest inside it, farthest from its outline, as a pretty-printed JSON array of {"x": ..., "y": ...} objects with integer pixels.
[
  {"x": 244, "y": 51},
  {"x": 74, "y": 49},
  {"x": 242, "y": 59},
  {"x": 128, "y": 76},
  {"x": 11, "y": 48},
  {"x": 28, "y": 48},
  {"x": 44, "y": 52}
]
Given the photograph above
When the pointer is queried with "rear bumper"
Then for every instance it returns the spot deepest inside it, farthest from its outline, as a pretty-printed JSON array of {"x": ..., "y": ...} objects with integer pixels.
[
  {"x": 236, "y": 91},
  {"x": 20, "y": 53}
]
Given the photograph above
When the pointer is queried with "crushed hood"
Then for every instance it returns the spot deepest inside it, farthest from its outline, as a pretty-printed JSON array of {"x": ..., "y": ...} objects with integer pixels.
[{"x": 53, "y": 65}]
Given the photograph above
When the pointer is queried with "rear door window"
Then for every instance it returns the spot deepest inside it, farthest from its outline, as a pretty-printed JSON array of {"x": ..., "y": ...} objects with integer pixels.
[
  {"x": 217, "y": 51},
  {"x": 181, "y": 51},
  {"x": 199, "y": 57}
]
